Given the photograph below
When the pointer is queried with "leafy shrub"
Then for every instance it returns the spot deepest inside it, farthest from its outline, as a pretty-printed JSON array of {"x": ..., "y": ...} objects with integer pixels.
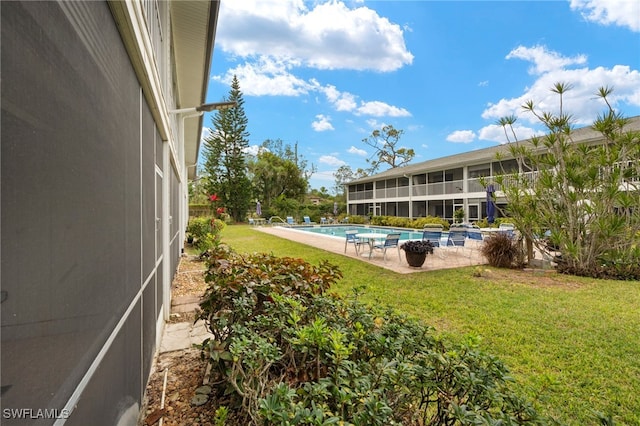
[
  {"x": 354, "y": 219},
  {"x": 257, "y": 277},
  {"x": 396, "y": 222},
  {"x": 458, "y": 215},
  {"x": 618, "y": 265},
  {"x": 285, "y": 352},
  {"x": 500, "y": 250},
  {"x": 429, "y": 220},
  {"x": 405, "y": 222},
  {"x": 484, "y": 223},
  {"x": 199, "y": 226},
  {"x": 205, "y": 231},
  {"x": 417, "y": 246}
]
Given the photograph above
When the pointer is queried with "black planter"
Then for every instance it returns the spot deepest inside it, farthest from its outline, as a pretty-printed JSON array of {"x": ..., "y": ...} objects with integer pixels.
[{"x": 415, "y": 259}]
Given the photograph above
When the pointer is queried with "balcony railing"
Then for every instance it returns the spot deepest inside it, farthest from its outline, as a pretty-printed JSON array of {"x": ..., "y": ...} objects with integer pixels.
[{"x": 456, "y": 187}]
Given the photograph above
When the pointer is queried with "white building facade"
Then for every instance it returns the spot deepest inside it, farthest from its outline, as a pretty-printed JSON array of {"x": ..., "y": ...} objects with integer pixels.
[{"x": 441, "y": 186}]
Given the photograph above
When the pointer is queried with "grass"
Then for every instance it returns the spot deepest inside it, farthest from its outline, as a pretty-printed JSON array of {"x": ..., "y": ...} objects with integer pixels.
[{"x": 572, "y": 343}]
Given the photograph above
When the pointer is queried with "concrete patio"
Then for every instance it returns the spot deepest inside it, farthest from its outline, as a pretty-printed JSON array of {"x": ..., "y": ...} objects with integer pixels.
[{"x": 443, "y": 258}]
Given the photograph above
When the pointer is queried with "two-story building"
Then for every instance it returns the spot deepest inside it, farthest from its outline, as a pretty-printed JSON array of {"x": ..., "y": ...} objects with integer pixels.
[{"x": 441, "y": 186}]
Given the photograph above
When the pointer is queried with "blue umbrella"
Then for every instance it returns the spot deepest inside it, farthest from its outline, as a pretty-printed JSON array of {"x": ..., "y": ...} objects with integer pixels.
[
  {"x": 491, "y": 206},
  {"x": 258, "y": 209}
]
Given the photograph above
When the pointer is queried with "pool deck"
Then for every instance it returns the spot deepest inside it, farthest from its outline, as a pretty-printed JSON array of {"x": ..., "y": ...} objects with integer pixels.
[{"x": 443, "y": 258}]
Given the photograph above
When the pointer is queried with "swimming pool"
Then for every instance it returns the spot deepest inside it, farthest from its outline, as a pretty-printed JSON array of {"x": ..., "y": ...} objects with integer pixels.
[{"x": 339, "y": 231}]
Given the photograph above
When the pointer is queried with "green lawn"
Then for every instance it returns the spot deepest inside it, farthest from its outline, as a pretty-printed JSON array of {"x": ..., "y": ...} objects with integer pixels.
[{"x": 573, "y": 344}]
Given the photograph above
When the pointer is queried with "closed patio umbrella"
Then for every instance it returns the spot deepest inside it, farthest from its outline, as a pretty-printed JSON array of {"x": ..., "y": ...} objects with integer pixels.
[
  {"x": 491, "y": 206},
  {"x": 258, "y": 209},
  {"x": 335, "y": 209}
]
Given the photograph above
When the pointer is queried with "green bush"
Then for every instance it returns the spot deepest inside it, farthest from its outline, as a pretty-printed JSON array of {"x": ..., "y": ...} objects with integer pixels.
[
  {"x": 285, "y": 352},
  {"x": 353, "y": 219},
  {"x": 429, "y": 220},
  {"x": 205, "y": 232},
  {"x": 484, "y": 223},
  {"x": 619, "y": 265},
  {"x": 258, "y": 277},
  {"x": 393, "y": 221},
  {"x": 405, "y": 222}
]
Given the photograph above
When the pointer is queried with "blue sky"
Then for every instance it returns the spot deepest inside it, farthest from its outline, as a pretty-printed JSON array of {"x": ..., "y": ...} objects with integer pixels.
[{"x": 325, "y": 74}]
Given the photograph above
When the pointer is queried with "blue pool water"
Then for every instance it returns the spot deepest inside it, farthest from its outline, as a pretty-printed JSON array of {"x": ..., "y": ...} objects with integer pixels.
[{"x": 339, "y": 231}]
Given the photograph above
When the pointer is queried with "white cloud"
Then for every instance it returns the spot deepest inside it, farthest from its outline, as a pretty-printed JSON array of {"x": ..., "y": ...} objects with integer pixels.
[
  {"x": 321, "y": 178},
  {"x": 543, "y": 59},
  {"x": 581, "y": 100},
  {"x": 357, "y": 151},
  {"x": 323, "y": 123},
  {"x": 381, "y": 109},
  {"x": 327, "y": 36},
  {"x": 345, "y": 101},
  {"x": 253, "y": 149},
  {"x": 461, "y": 136},
  {"x": 342, "y": 101},
  {"x": 266, "y": 76},
  {"x": 206, "y": 132},
  {"x": 274, "y": 39},
  {"x": 375, "y": 124},
  {"x": 496, "y": 133},
  {"x": 331, "y": 160},
  {"x": 624, "y": 13}
]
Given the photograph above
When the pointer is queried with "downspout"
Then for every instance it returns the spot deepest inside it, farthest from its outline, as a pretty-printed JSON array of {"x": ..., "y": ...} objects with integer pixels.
[{"x": 166, "y": 223}]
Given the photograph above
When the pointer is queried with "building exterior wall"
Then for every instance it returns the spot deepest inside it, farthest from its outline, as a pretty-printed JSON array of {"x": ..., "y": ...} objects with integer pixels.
[
  {"x": 425, "y": 192},
  {"x": 84, "y": 262}
]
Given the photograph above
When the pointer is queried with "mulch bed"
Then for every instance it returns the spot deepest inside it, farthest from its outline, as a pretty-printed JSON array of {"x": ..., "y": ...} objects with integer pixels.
[{"x": 185, "y": 370}]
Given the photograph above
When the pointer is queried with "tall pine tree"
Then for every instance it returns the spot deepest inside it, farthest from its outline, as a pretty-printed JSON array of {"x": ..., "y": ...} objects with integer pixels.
[{"x": 224, "y": 151}]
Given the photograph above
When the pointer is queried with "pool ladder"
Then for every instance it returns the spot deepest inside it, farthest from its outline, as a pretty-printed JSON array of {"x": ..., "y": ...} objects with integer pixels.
[{"x": 277, "y": 219}]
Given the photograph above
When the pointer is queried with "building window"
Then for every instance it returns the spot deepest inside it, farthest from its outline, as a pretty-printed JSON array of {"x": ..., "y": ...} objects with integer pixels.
[{"x": 480, "y": 170}]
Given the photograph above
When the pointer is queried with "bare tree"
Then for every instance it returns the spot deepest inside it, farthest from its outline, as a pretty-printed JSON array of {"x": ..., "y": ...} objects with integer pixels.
[{"x": 385, "y": 143}]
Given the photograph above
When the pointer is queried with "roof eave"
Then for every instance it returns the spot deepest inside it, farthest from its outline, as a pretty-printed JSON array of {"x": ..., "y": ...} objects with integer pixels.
[{"x": 194, "y": 26}]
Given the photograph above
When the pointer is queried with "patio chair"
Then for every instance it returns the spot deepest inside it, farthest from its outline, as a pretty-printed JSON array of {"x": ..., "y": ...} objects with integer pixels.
[
  {"x": 307, "y": 220},
  {"x": 392, "y": 240},
  {"x": 323, "y": 221},
  {"x": 475, "y": 235},
  {"x": 507, "y": 228},
  {"x": 252, "y": 222},
  {"x": 457, "y": 238},
  {"x": 290, "y": 220},
  {"x": 433, "y": 234},
  {"x": 352, "y": 239}
]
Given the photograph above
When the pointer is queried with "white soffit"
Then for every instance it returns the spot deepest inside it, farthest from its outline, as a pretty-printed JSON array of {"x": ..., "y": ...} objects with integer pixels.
[
  {"x": 190, "y": 25},
  {"x": 193, "y": 41}
]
